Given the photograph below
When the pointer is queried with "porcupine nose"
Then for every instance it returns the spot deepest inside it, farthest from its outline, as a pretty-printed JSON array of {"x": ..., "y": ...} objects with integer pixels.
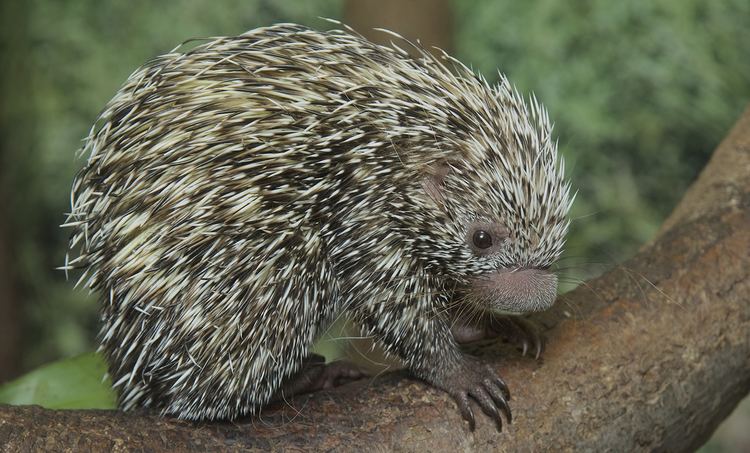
[{"x": 517, "y": 291}]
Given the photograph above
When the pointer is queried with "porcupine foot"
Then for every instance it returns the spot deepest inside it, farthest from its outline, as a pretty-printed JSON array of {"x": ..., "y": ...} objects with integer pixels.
[
  {"x": 512, "y": 328},
  {"x": 317, "y": 375},
  {"x": 477, "y": 380},
  {"x": 522, "y": 332}
]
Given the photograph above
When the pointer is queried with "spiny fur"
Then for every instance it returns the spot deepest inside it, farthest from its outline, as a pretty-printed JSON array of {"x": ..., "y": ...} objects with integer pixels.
[{"x": 240, "y": 195}]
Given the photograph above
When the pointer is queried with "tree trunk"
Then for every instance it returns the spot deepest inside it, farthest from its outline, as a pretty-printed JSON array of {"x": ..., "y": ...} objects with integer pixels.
[{"x": 429, "y": 21}]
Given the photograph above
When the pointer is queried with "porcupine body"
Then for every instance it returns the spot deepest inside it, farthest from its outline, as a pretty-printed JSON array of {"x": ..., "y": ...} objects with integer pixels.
[{"x": 240, "y": 195}]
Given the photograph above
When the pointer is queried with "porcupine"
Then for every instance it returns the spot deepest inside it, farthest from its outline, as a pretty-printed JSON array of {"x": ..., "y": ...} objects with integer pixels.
[{"x": 240, "y": 195}]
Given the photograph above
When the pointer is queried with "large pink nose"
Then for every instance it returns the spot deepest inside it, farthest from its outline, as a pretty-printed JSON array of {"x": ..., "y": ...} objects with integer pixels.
[{"x": 517, "y": 290}]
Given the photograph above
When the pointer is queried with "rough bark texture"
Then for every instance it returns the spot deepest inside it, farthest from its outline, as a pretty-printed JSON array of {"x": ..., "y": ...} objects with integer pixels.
[{"x": 650, "y": 356}]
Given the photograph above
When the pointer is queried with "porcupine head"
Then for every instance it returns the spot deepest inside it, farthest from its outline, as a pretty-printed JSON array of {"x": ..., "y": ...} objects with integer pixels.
[{"x": 497, "y": 204}]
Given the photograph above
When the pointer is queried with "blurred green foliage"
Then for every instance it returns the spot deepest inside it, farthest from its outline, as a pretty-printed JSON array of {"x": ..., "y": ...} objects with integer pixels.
[{"x": 75, "y": 383}]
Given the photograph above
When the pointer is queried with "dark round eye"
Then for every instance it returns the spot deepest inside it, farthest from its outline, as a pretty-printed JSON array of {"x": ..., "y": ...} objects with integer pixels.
[{"x": 482, "y": 239}]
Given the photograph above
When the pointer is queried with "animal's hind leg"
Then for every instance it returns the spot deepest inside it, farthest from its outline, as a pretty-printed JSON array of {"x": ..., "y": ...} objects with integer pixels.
[{"x": 315, "y": 375}]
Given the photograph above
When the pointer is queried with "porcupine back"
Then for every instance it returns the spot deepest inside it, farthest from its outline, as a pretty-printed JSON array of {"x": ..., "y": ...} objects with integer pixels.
[{"x": 237, "y": 195}]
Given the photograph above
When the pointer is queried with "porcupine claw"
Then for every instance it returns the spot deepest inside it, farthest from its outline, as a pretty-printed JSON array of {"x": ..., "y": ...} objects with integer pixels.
[{"x": 478, "y": 381}]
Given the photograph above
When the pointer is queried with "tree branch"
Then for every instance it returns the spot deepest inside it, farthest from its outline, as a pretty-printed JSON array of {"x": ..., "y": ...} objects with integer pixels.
[{"x": 650, "y": 356}]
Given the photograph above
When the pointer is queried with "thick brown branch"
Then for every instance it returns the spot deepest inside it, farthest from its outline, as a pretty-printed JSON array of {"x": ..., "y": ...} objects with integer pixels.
[{"x": 650, "y": 356}]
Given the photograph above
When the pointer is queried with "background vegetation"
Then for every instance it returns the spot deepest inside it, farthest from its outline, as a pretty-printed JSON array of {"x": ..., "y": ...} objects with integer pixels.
[{"x": 641, "y": 92}]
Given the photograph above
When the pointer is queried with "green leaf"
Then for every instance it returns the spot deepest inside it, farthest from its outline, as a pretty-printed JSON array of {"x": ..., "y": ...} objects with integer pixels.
[{"x": 74, "y": 383}]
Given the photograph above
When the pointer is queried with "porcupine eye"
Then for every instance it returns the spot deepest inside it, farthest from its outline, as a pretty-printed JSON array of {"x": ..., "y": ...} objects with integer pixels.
[{"x": 482, "y": 239}]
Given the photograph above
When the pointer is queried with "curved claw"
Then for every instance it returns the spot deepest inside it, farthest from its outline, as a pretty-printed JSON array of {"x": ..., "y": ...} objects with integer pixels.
[
  {"x": 465, "y": 408},
  {"x": 532, "y": 336},
  {"x": 499, "y": 398},
  {"x": 539, "y": 347},
  {"x": 487, "y": 404},
  {"x": 503, "y": 387},
  {"x": 473, "y": 380}
]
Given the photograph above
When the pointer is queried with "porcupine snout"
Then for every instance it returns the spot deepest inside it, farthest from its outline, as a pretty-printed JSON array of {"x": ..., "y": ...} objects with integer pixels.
[
  {"x": 516, "y": 291},
  {"x": 516, "y": 280}
]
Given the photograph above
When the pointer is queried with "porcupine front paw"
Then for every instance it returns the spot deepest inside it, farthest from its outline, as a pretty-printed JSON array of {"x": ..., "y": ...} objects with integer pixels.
[
  {"x": 511, "y": 328},
  {"x": 476, "y": 380},
  {"x": 519, "y": 331}
]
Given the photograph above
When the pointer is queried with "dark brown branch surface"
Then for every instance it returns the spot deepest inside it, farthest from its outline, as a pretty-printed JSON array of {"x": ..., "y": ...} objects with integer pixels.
[{"x": 650, "y": 356}]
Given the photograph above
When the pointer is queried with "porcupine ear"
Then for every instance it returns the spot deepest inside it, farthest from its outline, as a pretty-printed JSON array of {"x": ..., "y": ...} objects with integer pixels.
[{"x": 433, "y": 183}]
